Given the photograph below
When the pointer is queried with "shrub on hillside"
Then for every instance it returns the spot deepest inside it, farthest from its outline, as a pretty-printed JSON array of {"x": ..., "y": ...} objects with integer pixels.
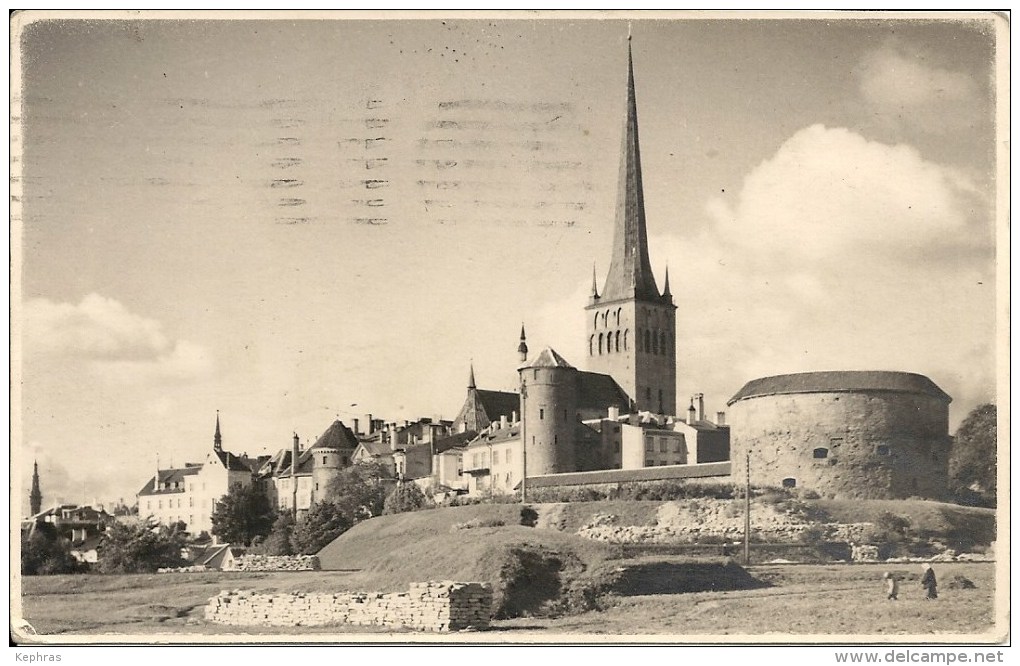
[
  {"x": 406, "y": 497},
  {"x": 477, "y": 522},
  {"x": 323, "y": 523},
  {"x": 279, "y": 540},
  {"x": 529, "y": 517}
]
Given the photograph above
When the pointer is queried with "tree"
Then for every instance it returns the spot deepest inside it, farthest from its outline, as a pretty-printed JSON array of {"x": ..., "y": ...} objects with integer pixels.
[
  {"x": 972, "y": 463},
  {"x": 140, "y": 548},
  {"x": 358, "y": 491},
  {"x": 406, "y": 497},
  {"x": 44, "y": 551},
  {"x": 323, "y": 522},
  {"x": 279, "y": 540},
  {"x": 242, "y": 514}
]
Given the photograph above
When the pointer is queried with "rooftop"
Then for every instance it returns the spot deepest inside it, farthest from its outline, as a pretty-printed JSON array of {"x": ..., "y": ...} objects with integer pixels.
[{"x": 840, "y": 381}]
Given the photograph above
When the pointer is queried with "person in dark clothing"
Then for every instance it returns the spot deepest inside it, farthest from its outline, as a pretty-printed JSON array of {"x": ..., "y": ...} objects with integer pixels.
[{"x": 928, "y": 582}]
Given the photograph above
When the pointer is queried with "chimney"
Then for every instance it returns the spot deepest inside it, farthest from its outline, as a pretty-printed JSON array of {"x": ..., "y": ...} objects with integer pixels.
[
  {"x": 357, "y": 430},
  {"x": 701, "y": 406},
  {"x": 513, "y": 417},
  {"x": 393, "y": 436},
  {"x": 502, "y": 421},
  {"x": 155, "y": 481},
  {"x": 614, "y": 413},
  {"x": 371, "y": 424},
  {"x": 691, "y": 413},
  {"x": 720, "y": 418}
]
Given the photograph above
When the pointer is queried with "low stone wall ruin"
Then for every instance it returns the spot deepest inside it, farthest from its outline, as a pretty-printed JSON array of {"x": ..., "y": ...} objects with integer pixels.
[
  {"x": 275, "y": 563},
  {"x": 432, "y": 606}
]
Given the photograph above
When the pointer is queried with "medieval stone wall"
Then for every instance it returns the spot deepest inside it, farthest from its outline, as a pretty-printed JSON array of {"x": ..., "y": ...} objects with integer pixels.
[
  {"x": 276, "y": 563},
  {"x": 853, "y": 444},
  {"x": 432, "y": 606}
]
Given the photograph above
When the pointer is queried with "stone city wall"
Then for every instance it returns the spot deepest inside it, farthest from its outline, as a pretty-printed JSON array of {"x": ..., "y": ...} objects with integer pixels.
[
  {"x": 432, "y": 606},
  {"x": 276, "y": 563}
]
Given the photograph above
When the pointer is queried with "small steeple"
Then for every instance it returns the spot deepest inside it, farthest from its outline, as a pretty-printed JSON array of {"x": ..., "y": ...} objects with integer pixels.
[
  {"x": 665, "y": 287},
  {"x": 594, "y": 283},
  {"x": 522, "y": 348},
  {"x": 35, "y": 497},
  {"x": 471, "y": 377},
  {"x": 217, "y": 438}
]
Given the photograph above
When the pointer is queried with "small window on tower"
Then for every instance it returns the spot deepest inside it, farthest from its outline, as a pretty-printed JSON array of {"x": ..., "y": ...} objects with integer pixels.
[
  {"x": 820, "y": 452},
  {"x": 882, "y": 449},
  {"x": 541, "y": 414},
  {"x": 323, "y": 460},
  {"x": 789, "y": 482}
]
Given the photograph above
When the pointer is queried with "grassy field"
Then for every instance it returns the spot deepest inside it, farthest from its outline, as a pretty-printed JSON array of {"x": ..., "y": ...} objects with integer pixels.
[
  {"x": 800, "y": 600},
  {"x": 542, "y": 573}
]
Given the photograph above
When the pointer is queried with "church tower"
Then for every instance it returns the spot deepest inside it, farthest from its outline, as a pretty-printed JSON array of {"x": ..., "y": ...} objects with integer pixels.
[
  {"x": 35, "y": 496},
  {"x": 631, "y": 327}
]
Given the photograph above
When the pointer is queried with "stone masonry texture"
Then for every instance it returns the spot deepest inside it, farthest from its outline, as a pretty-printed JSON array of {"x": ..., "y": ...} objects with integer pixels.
[{"x": 431, "y": 606}]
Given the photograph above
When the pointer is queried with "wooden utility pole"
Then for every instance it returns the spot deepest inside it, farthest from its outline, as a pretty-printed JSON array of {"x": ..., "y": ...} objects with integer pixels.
[{"x": 747, "y": 508}]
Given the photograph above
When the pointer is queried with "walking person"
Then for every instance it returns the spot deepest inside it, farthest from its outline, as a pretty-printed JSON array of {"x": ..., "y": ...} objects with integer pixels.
[
  {"x": 892, "y": 586},
  {"x": 928, "y": 582}
]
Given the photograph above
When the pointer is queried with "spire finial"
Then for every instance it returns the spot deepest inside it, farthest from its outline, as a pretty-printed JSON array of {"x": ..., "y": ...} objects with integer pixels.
[
  {"x": 665, "y": 288},
  {"x": 594, "y": 282},
  {"x": 217, "y": 437},
  {"x": 522, "y": 348},
  {"x": 471, "y": 376},
  {"x": 628, "y": 31}
]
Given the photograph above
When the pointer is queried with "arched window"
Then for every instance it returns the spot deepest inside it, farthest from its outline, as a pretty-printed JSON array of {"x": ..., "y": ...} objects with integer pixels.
[
  {"x": 618, "y": 311},
  {"x": 789, "y": 482},
  {"x": 605, "y": 317},
  {"x": 655, "y": 343},
  {"x": 626, "y": 333},
  {"x": 820, "y": 452},
  {"x": 648, "y": 341},
  {"x": 600, "y": 344},
  {"x": 662, "y": 344},
  {"x": 617, "y": 341},
  {"x": 591, "y": 346},
  {"x": 595, "y": 322},
  {"x": 672, "y": 344}
]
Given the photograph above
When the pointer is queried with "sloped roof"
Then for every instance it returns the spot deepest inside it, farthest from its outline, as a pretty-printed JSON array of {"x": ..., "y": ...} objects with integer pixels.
[
  {"x": 599, "y": 391},
  {"x": 496, "y": 436},
  {"x": 170, "y": 476},
  {"x": 838, "y": 381},
  {"x": 498, "y": 403},
  {"x": 548, "y": 358},
  {"x": 337, "y": 436},
  {"x": 235, "y": 463},
  {"x": 453, "y": 441},
  {"x": 376, "y": 446}
]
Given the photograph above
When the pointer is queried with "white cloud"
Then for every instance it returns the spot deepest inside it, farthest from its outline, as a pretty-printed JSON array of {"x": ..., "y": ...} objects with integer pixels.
[
  {"x": 838, "y": 253},
  {"x": 109, "y": 339}
]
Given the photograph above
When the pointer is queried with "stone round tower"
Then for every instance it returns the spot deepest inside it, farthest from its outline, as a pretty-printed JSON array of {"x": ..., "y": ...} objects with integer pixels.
[
  {"x": 328, "y": 454},
  {"x": 549, "y": 404}
]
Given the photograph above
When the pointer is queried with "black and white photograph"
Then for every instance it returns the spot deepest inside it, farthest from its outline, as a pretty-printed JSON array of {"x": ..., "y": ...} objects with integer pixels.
[{"x": 507, "y": 328}]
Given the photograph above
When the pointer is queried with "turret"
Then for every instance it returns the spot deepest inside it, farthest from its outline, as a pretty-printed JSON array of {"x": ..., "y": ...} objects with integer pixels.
[
  {"x": 549, "y": 387},
  {"x": 35, "y": 496},
  {"x": 217, "y": 437},
  {"x": 522, "y": 349}
]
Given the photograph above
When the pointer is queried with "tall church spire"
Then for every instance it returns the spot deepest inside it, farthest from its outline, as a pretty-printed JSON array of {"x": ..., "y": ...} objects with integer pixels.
[
  {"x": 522, "y": 349},
  {"x": 471, "y": 377},
  {"x": 217, "y": 438},
  {"x": 35, "y": 497},
  {"x": 630, "y": 271}
]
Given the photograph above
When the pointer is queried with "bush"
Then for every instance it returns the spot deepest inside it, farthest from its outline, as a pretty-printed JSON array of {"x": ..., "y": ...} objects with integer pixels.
[
  {"x": 406, "y": 497},
  {"x": 478, "y": 522},
  {"x": 323, "y": 523},
  {"x": 529, "y": 517},
  {"x": 140, "y": 548},
  {"x": 45, "y": 552}
]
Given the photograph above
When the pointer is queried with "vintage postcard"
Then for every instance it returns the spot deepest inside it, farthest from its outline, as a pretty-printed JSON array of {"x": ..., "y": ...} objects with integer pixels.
[{"x": 510, "y": 327}]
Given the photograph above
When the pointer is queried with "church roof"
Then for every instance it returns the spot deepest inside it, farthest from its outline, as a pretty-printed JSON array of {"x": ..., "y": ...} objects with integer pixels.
[
  {"x": 599, "y": 391},
  {"x": 840, "y": 381},
  {"x": 630, "y": 271},
  {"x": 235, "y": 463},
  {"x": 337, "y": 436},
  {"x": 498, "y": 403}
]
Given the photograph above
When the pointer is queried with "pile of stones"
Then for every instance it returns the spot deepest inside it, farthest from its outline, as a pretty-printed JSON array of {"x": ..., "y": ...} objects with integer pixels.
[
  {"x": 276, "y": 563},
  {"x": 431, "y": 606},
  {"x": 197, "y": 568}
]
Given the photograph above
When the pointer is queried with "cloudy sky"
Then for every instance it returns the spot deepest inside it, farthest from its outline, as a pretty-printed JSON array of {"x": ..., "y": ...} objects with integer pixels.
[{"x": 290, "y": 221}]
